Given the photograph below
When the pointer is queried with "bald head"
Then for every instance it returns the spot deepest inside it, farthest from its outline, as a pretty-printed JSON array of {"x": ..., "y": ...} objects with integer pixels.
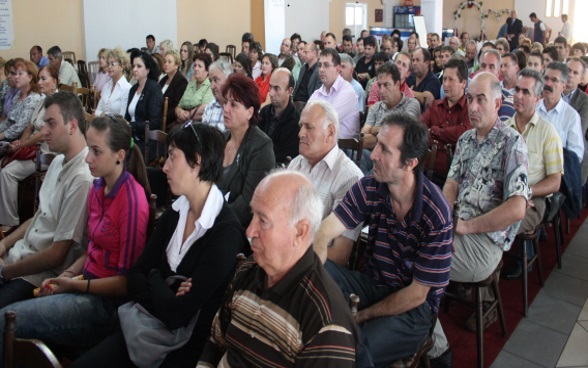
[
  {"x": 281, "y": 87},
  {"x": 484, "y": 100}
]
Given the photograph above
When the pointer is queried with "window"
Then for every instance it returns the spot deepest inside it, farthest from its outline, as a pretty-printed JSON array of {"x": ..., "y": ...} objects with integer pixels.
[
  {"x": 555, "y": 8},
  {"x": 356, "y": 17}
]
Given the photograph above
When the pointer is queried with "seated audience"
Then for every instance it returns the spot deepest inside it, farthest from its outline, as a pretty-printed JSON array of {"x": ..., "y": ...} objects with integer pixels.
[
  {"x": 46, "y": 245},
  {"x": 285, "y": 278},
  {"x": 218, "y": 73},
  {"x": 8, "y": 90},
  {"x": 535, "y": 61},
  {"x": 255, "y": 54},
  {"x": 490, "y": 62},
  {"x": 347, "y": 68},
  {"x": 151, "y": 45},
  {"x": 331, "y": 172},
  {"x": 249, "y": 153},
  {"x": 549, "y": 55},
  {"x": 36, "y": 56},
  {"x": 279, "y": 119},
  {"x": 81, "y": 312},
  {"x": 165, "y": 45},
  {"x": 186, "y": 58},
  {"x": 22, "y": 153},
  {"x": 371, "y": 88},
  {"x": 24, "y": 103},
  {"x": 308, "y": 80},
  {"x": 509, "y": 69},
  {"x": 391, "y": 294},
  {"x": 173, "y": 85},
  {"x": 3, "y": 84},
  {"x": 160, "y": 60},
  {"x": 285, "y": 50},
  {"x": 197, "y": 93},
  {"x": 103, "y": 75},
  {"x": 269, "y": 62},
  {"x": 338, "y": 93},
  {"x": 404, "y": 63},
  {"x": 145, "y": 102},
  {"x": 579, "y": 101},
  {"x": 365, "y": 66},
  {"x": 448, "y": 119},
  {"x": 67, "y": 73},
  {"x": 182, "y": 275},
  {"x": 545, "y": 154},
  {"x": 115, "y": 94},
  {"x": 561, "y": 46},
  {"x": 242, "y": 65},
  {"x": 424, "y": 84}
]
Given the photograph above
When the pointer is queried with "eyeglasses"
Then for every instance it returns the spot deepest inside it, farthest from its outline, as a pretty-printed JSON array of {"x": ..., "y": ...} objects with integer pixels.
[
  {"x": 113, "y": 63},
  {"x": 553, "y": 79},
  {"x": 189, "y": 124}
]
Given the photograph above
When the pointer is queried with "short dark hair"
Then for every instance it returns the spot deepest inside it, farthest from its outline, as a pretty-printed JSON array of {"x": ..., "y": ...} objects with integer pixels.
[
  {"x": 202, "y": 43},
  {"x": 389, "y": 69},
  {"x": 562, "y": 67},
  {"x": 398, "y": 42},
  {"x": 149, "y": 62},
  {"x": 150, "y": 37},
  {"x": 247, "y": 36},
  {"x": 415, "y": 142},
  {"x": 243, "y": 59},
  {"x": 347, "y": 38},
  {"x": 426, "y": 54},
  {"x": 200, "y": 140},
  {"x": 580, "y": 46},
  {"x": 204, "y": 57},
  {"x": 521, "y": 58},
  {"x": 38, "y": 48},
  {"x": 256, "y": 46},
  {"x": 396, "y": 32},
  {"x": 448, "y": 48},
  {"x": 70, "y": 106},
  {"x": 370, "y": 41},
  {"x": 537, "y": 54},
  {"x": 245, "y": 91},
  {"x": 334, "y": 55},
  {"x": 332, "y": 35},
  {"x": 213, "y": 47},
  {"x": 295, "y": 36},
  {"x": 460, "y": 65},
  {"x": 533, "y": 15},
  {"x": 381, "y": 56},
  {"x": 524, "y": 48},
  {"x": 561, "y": 39},
  {"x": 551, "y": 51}
]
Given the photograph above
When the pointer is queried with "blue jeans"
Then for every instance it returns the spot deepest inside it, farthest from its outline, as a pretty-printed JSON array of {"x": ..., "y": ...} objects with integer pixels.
[
  {"x": 385, "y": 339},
  {"x": 64, "y": 319}
]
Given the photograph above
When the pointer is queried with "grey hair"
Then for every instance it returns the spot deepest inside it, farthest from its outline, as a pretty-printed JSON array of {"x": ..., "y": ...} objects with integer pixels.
[
  {"x": 346, "y": 58},
  {"x": 306, "y": 204},
  {"x": 562, "y": 67},
  {"x": 223, "y": 65},
  {"x": 495, "y": 86},
  {"x": 169, "y": 44},
  {"x": 539, "y": 80},
  {"x": 330, "y": 115},
  {"x": 495, "y": 53}
]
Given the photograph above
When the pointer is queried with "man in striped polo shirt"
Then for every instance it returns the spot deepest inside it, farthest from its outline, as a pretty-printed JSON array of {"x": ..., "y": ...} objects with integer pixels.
[
  {"x": 408, "y": 253},
  {"x": 282, "y": 309}
]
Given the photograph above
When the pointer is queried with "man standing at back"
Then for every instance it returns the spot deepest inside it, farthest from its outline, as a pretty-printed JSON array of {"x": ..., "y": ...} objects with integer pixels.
[
  {"x": 338, "y": 93},
  {"x": 44, "y": 246},
  {"x": 514, "y": 29}
]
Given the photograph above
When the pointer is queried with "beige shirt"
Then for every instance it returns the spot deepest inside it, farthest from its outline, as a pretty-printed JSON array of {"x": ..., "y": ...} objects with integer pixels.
[{"x": 61, "y": 215}]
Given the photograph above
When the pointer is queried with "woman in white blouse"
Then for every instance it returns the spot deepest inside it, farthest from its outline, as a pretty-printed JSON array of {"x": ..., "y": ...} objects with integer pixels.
[{"x": 115, "y": 93}]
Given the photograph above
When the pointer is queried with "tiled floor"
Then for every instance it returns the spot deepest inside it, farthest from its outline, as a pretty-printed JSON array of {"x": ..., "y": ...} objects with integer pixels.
[{"x": 555, "y": 334}]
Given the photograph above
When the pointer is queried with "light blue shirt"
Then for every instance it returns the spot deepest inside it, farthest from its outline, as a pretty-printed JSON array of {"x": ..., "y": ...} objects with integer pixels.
[
  {"x": 567, "y": 123},
  {"x": 360, "y": 94}
]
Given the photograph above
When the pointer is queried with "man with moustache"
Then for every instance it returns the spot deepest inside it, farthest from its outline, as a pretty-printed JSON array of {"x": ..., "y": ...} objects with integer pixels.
[{"x": 218, "y": 72}]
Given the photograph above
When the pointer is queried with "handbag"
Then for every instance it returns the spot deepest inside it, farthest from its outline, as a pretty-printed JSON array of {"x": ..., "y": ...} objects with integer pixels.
[
  {"x": 148, "y": 339},
  {"x": 23, "y": 154}
]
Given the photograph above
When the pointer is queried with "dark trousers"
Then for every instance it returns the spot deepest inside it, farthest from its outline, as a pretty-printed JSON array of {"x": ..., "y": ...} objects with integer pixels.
[{"x": 15, "y": 291}]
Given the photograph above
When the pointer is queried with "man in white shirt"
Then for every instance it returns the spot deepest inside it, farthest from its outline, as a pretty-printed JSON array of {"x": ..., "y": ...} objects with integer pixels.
[
  {"x": 338, "y": 92},
  {"x": 67, "y": 73},
  {"x": 555, "y": 110},
  {"x": 331, "y": 172},
  {"x": 566, "y": 29}
]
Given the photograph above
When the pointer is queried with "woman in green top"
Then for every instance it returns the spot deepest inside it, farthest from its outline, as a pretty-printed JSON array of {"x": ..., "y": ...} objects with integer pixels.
[{"x": 198, "y": 92}]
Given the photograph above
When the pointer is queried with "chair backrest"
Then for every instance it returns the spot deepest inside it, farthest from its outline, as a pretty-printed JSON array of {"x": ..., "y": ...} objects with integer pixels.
[
  {"x": 226, "y": 55},
  {"x": 85, "y": 95},
  {"x": 66, "y": 87},
  {"x": 25, "y": 353},
  {"x": 430, "y": 158},
  {"x": 69, "y": 55},
  {"x": 231, "y": 49},
  {"x": 154, "y": 135},
  {"x": 355, "y": 145},
  {"x": 93, "y": 68},
  {"x": 164, "y": 118},
  {"x": 95, "y": 97},
  {"x": 83, "y": 74}
]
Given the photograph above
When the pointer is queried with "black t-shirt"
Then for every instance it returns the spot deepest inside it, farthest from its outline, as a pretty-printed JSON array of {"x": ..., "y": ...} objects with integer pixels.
[
  {"x": 363, "y": 67},
  {"x": 302, "y": 94}
]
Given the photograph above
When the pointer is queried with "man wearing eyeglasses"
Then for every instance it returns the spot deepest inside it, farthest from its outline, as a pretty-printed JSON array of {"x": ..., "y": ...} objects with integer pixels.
[{"x": 555, "y": 110}]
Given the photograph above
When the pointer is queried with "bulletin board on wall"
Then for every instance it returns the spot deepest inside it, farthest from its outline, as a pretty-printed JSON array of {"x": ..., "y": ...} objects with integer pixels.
[{"x": 126, "y": 23}]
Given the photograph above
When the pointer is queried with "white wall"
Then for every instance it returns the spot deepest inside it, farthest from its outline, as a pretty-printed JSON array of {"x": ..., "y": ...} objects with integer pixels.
[{"x": 307, "y": 17}]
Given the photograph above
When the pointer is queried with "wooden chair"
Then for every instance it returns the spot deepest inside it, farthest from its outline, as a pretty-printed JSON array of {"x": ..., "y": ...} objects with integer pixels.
[
  {"x": 25, "y": 353},
  {"x": 85, "y": 96},
  {"x": 429, "y": 165},
  {"x": 69, "y": 55},
  {"x": 83, "y": 74},
  {"x": 356, "y": 147},
  {"x": 159, "y": 137},
  {"x": 95, "y": 98},
  {"x": 65, "y": 87},
  {"x": 93, "y": 68},
  {"x": 226, "y": 55},
  {"x": 553, "y": 218},
  {"x": 42, "y": 159},
  {"x": 231, "y": 49},
  {"x": 164, "y": 118}
]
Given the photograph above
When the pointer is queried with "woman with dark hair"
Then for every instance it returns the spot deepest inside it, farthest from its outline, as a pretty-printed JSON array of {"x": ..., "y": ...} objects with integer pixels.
[
  {"x": 198, "y": 93},
  {"x": 145, "y": 103},
  {"x": 242, "y": 65},
  {"x": 212, "y": 50},
  {"x": 25, "y": 101},
  {"x": 22, "y": 165},
  {"x": 76, "y": 310},
  {"x": 269, "y": 62},
  {"x": 173, "y": 85},
  {"x": 196, "y": 240},
  {"x": 255, "y": 54},
  {"x": 249, "y": 153},
  {"x": 187, "y": 57}
]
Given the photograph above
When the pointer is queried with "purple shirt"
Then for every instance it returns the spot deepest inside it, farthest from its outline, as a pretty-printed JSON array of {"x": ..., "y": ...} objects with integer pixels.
[{"x": 344, "y": 100}]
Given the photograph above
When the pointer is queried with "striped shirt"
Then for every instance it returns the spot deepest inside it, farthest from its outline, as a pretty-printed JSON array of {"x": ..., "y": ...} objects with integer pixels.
[
  {"x": 400, "y": 251},
  {"x": 301, "y": 321},
  {"x": 544, "y": 148}
]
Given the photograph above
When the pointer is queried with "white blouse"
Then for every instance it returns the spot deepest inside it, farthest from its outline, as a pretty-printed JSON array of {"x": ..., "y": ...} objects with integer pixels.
[{"x": 114, "y": 101}]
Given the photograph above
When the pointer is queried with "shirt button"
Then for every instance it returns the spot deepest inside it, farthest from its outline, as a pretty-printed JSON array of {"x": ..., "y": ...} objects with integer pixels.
[{"x": 253, "y": 335}]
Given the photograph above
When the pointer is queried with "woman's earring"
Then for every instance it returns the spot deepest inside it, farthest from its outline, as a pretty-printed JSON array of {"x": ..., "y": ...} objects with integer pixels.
[{"x": 117, "y": 162}]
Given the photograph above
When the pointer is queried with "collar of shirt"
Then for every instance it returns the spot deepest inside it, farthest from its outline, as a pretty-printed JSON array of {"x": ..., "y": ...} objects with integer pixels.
[
  {"x": 416, "y": 211},
  {"x": 291, "y": 279},
  {"x": 557, "y": 109},
  {"x": 513, "y": 123},
  {"x": 491, "y": 137},
  {"x": 81, "y": 156},
  {"x": 100, "y": 182},
  {"x": 445, "y": 102},
  {"x": 337, "y": 85},
  {"x": 567, "y": 98},
  {"x": 211, "y": 209}
]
